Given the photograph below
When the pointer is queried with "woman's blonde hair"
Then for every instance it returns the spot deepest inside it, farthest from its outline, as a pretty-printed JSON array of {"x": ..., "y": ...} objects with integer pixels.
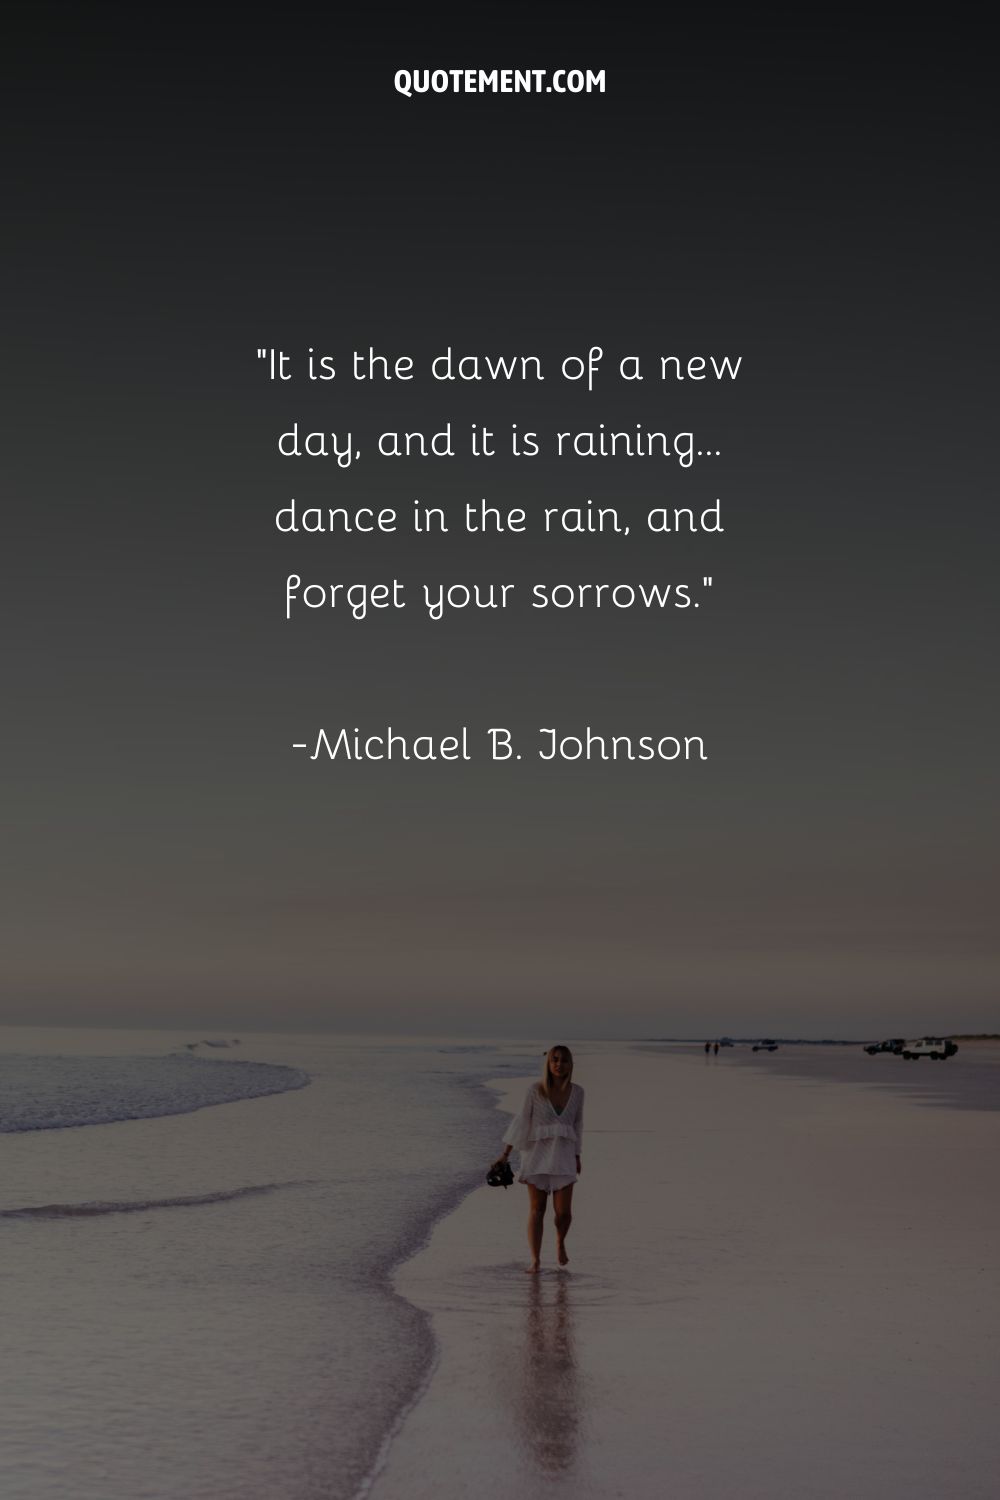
[{"x": 547, "y": 1081}]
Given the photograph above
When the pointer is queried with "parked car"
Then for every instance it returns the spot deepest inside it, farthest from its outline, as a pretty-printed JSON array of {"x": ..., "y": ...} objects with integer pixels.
[
  {"x": 893, "y": 1044},
  {"x": 937, "y": 1048},
  {"x": 765, "y": 1046}
]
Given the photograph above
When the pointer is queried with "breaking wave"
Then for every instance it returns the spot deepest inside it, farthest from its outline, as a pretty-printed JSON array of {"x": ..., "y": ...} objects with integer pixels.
[{"x": 57, "y": 1093}]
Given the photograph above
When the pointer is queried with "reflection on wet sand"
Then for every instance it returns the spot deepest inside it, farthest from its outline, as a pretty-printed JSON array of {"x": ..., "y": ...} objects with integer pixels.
[{"x": 545, "y": 1388}]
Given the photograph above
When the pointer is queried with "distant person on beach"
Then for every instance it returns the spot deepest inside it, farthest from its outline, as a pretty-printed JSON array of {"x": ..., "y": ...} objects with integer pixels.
[
  {"x": 715, "y": 1049},
  {"x": 708, "y": 1047},
  {"x": 548, "y": 1134}
]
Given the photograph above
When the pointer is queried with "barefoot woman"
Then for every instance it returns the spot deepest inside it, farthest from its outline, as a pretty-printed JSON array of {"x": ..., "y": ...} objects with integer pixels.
[{"x": 548, "y": 1134}]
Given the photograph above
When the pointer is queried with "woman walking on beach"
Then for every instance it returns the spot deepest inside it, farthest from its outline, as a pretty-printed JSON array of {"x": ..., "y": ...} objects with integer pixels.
[{"x": 548, "y": 1133}]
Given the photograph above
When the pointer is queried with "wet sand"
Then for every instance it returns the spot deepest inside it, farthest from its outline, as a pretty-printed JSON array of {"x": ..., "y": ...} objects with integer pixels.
[{"x": 778, "y": 1288}]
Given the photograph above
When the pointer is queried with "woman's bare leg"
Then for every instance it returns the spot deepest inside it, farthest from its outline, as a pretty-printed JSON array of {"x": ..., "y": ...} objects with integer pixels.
[
  {"x": 562, "y": 1203},
  {"x": 536, "y": 1223}
]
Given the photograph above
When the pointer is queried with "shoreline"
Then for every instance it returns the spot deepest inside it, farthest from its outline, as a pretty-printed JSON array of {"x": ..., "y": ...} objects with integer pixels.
[
  {"x": 390, "y": 1274},
  {"x": 442, "y": 1209}
]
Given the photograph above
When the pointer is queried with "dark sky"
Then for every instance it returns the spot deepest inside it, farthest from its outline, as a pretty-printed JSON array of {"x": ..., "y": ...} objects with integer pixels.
[{"x": 811, "y": 190}]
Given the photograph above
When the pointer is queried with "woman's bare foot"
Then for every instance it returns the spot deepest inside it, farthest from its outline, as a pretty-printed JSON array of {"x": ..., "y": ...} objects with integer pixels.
[
  {"x": 533, "y": 1269},
  {"x": 561, "y": 1255}
]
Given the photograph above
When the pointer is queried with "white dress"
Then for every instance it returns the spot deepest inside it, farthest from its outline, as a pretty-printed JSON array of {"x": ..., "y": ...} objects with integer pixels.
[{"x": 549, "y": 1143}]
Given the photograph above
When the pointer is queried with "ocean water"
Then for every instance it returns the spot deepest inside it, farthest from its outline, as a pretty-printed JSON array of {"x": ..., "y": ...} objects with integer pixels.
[{"x": 195, "y": 1254}]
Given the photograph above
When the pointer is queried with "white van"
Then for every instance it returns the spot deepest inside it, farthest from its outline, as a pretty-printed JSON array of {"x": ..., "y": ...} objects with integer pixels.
[{"x": 935, "y": 1047}]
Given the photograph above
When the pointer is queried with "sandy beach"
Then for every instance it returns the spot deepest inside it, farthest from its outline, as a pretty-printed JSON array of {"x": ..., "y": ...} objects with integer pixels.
[{"x": 779, "y": 1287}]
